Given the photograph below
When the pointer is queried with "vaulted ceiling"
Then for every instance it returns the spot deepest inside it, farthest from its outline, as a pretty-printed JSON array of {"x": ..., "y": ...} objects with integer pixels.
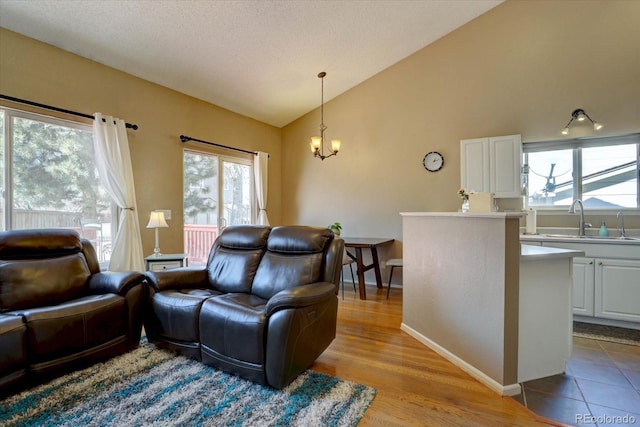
[{"x": 256, "y": 58}]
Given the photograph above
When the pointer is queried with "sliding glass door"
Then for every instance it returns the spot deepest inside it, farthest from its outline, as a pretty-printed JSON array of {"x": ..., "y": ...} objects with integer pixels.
[{"x": 218, "y": 192}]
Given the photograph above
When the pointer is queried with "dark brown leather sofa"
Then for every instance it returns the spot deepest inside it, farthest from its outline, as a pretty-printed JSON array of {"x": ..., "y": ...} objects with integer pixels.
[
  {"x": 57, "y": 310},
  {"x": 264, "y": 308}
]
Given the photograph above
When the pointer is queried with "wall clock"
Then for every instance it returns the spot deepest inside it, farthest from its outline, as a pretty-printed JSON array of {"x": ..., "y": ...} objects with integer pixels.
[{"x": 433, "y": 161}]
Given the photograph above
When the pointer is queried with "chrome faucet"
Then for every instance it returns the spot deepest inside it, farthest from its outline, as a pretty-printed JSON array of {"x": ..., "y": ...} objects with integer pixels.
[
  {"x": 572, "y": 209},
  {"x": 620, "y": 216}
]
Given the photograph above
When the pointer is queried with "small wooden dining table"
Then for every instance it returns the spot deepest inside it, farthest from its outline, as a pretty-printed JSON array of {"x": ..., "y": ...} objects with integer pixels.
[{"x": 371, "y": 243}]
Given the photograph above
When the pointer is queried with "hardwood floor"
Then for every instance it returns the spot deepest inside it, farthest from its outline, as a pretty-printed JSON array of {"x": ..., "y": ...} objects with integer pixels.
[{"x": 415, "y": 386}]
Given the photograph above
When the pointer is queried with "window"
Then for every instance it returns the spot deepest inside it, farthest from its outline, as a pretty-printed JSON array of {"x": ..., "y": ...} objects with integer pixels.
[
  {"x": 48, "y": 178},
  {"x": 602, "y": 172},
  {"x": 218, "y": 191}
]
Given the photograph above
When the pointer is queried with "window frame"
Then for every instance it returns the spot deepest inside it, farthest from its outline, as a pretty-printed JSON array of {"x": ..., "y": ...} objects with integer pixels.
[
  {"x": 6, "y": 196},
  {"x": 576, "y": 145}
]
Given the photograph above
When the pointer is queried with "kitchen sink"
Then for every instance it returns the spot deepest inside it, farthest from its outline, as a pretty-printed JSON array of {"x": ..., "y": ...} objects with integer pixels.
[{"x": 569, "y": 236}]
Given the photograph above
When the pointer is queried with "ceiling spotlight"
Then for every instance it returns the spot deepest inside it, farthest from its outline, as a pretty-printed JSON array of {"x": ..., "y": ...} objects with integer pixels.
[{"x": 580, "y": 115}]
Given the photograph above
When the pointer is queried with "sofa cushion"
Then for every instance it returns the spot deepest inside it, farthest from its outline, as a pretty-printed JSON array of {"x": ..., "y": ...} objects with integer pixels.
[
  {"x": 34, "y": 244},
  {"x": 235, "y": 257},
  {"x": 71, "y": 327},
  {"x": 233, "y": 325},
  {"x": 294, "y": 257},
  {"x": 13, "y": 342},
  {"x": 175, "y": 313},
  {"x": 245, "y": 237},
  {"x": 39, "y": 282},
  {"x": 292, "y": 240},
  {"x": 234, "y": 270}
]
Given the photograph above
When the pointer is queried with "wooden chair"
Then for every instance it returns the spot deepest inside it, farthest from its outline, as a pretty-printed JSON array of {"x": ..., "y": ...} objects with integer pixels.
[
  {"x": 393, "y": 263},
  {"x": 346, "y": 260}
]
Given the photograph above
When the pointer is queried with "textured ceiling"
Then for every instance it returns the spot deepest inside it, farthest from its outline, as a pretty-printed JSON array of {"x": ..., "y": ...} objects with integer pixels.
[{"x": 256, "y": 58}]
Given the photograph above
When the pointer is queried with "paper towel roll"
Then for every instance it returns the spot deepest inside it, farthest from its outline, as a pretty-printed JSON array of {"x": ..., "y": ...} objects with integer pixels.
[{"x": 531, "y": 221}]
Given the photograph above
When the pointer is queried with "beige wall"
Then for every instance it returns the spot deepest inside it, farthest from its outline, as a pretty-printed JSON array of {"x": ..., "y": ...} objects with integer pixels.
[
  {"x": 520, "y": 68},
  {"x": 39, "y": 72},
  {"x": 469, "y": 309}
]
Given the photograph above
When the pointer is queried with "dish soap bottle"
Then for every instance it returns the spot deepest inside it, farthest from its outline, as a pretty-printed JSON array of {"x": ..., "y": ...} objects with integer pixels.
[{"x": 603, "y": 230}]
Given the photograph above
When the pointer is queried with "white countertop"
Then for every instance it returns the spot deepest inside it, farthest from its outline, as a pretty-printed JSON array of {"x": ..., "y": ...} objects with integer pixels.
[
  {"x": 494, "y": 215},
  {"x": 536, "y": 253},
  {"x": 632, "y": 241}
]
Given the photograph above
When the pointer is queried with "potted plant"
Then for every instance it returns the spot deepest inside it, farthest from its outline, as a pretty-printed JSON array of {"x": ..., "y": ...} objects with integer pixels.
[{"x": 335, "y": 227}]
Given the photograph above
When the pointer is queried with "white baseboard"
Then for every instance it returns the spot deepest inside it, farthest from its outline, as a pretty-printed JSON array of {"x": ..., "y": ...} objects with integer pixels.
[{"x": 502, "y": 390}]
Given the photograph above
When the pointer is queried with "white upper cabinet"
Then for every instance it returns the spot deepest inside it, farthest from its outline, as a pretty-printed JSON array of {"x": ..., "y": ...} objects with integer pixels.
[{"x": 491, "y": 165}]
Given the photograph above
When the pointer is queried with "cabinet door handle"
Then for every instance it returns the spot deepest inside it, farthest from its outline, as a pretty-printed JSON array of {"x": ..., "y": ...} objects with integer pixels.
[{"x": 600, "y": 263}]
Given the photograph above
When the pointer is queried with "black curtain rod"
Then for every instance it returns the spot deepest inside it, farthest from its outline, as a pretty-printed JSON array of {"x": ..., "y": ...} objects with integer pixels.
[
  {"x": 184, "y": 138},
  {"x": 60, "y": 110}
]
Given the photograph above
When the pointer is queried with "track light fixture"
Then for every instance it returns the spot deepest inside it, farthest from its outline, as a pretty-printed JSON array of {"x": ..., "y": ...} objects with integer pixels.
[
  {"x": 317, "y": 142},
  {"x": 579, "y": 115}
]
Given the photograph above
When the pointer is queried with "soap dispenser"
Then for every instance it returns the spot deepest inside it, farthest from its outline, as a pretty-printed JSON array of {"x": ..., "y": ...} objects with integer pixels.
[{"x": 603, "y": 229}]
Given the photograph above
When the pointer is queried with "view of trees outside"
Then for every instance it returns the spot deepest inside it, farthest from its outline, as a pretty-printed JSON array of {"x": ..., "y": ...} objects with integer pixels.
[
  {"x": 237, "y": 193},
  {"x": 53, "y": 179},
  {"x": 218, "y": 192},
  {"x": 201, "y": 197},
  {"x": 200, "y": 188}
]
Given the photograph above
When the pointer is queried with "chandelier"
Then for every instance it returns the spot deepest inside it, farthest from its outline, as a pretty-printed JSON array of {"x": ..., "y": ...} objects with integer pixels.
[
  {"x": 317, "y": 142},
  {"x": 580, "y": 115}
]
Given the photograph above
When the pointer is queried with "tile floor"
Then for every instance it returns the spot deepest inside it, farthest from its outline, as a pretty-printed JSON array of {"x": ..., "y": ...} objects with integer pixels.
[{"x": 600, "y": 388}]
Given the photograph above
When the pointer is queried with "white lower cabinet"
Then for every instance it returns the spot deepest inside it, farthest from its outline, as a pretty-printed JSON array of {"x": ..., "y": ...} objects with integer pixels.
[
  {"x": 617, "y": 289},
  {"x": 606, "y": 288},
  {"x": 583, "y": 286},
  {"x": 606, "y": 282}
]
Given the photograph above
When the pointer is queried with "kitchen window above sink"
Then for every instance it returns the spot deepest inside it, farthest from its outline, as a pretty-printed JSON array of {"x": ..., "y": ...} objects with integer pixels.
[{"x": 607, "y": 170}]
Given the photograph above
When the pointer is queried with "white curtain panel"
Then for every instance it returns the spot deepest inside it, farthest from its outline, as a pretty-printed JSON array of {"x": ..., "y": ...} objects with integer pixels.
[
  {"x": 113, "y": 160},
  {"x": 260, "y": 172}
]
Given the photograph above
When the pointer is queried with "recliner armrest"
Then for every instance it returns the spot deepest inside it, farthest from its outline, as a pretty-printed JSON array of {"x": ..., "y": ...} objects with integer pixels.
[
  {"x": 300, "y": 296},
  {"x": 177, "y": 278},
  {"x": 115, "y": 282}
]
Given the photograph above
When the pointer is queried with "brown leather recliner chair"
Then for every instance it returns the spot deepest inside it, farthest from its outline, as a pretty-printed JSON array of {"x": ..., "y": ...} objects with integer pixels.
[
  {"x": 57, "y": 309},
  {"x": 264, "y": 308}
]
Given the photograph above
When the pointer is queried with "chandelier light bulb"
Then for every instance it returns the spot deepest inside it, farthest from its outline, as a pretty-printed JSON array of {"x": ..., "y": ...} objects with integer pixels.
[
  {"x": 597, "y": 126},
  {"x": 316, "y": 142},
  {"x": 335, "y": 145}
]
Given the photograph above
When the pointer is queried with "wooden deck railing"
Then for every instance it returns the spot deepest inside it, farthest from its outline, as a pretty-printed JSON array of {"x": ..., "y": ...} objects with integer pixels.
[{"x": 198, "y": 240}]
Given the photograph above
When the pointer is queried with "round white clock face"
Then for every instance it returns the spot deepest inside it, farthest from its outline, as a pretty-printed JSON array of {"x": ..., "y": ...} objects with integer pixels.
[{"x": 433, "y": 161}]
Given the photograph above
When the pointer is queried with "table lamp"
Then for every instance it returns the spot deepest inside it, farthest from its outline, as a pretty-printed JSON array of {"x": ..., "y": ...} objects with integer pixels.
[{"x": 157, "y": 221}]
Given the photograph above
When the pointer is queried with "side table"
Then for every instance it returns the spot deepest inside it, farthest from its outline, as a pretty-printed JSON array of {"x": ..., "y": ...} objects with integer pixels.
[{"x": 165, "y": 261}]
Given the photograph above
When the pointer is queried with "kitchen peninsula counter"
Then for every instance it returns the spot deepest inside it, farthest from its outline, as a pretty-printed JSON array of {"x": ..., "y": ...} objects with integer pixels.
[{"x": 472, "y": 293}]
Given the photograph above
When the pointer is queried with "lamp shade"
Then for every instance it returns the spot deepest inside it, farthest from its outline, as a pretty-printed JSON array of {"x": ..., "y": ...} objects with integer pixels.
[
  {"x": 316, "y": 142},
  {"x": 157, "y": 220}
]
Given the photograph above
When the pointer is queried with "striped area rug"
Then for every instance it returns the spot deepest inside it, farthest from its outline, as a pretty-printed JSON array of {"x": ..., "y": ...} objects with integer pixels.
[{"x": 149, "y": 386}]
